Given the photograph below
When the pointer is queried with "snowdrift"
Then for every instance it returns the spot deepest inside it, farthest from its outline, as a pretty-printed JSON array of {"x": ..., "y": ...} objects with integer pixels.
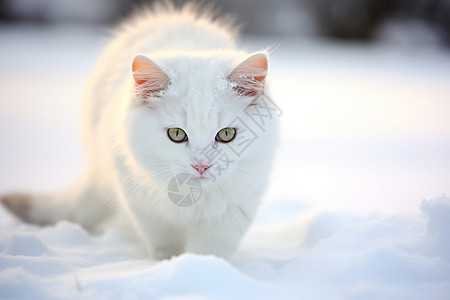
[{"x": 325, "y": 256}]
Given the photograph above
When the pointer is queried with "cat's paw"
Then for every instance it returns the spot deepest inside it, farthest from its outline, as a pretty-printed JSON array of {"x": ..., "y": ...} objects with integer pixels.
[{"x": 18, "y": 204}]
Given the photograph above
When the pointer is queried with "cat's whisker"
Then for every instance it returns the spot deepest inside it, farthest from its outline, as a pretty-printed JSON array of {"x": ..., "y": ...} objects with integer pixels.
[
  {"x": 157, "y": 164},
  {"x": 156, "y": 175},
  {"x": 154, "y": 199}
]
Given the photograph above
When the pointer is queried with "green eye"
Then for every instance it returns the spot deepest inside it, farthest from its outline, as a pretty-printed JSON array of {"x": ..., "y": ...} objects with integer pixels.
[
  {"x": 177, "y": 135},
  {"x": 226, "y": 135}
]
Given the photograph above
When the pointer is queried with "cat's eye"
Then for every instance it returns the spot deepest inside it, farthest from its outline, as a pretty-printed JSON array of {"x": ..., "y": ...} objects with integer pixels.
[
  {"x": 177, "y": 135},
  {"x": 226, "y": 135}
]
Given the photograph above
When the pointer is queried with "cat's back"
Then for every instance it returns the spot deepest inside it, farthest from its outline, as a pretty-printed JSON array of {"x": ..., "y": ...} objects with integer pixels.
[
  {"x": 190, "y": 28},
  {"x": 165, "y": 28}
]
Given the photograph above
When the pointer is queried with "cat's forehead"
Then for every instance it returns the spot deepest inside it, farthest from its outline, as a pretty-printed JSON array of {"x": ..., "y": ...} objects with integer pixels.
[
  {"x": 200, "y": 103},
  {"x": 199, "y": 85},
  {"x": 198, "y": 74}
]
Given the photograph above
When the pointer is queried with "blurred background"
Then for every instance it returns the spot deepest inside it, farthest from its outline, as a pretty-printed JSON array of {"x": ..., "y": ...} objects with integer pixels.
[
  {"x": 364, "y": 86},
  {"x": 342, "y": 19}
]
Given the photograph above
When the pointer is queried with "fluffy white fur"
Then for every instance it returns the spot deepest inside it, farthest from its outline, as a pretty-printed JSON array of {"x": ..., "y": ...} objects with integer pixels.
[{"x": 132, "y": 159}]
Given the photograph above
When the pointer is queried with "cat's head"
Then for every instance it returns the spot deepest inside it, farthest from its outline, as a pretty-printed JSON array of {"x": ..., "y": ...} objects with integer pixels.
[{"x": 196, "y": 115}]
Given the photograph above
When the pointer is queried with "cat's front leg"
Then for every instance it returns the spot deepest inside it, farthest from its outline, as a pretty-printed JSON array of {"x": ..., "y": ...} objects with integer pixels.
[
  {"x": 165, "y": 239},
  {"x": 220, "y": 236}
]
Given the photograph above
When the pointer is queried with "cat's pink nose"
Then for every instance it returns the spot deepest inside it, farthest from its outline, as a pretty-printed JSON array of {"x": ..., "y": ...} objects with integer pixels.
[{"x": 201, "y": 168}]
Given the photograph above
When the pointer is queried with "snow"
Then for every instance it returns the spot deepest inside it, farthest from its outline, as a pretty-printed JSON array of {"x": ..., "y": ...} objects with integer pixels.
[
  {"x": 365, "y": 139},
  {"x": 324, "y": 256}
]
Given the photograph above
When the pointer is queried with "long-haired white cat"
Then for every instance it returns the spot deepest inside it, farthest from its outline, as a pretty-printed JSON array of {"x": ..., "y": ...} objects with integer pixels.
[{"x": 180, "y": 133}]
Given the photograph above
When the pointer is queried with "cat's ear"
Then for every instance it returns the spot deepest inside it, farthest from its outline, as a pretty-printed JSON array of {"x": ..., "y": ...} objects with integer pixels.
[
  {"x": 249, "y": 76},
  {"x": 149, "y": 78}
]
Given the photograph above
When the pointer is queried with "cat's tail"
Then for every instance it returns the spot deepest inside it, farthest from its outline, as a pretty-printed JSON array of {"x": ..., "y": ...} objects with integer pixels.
[{"x": 81, "y": 203}]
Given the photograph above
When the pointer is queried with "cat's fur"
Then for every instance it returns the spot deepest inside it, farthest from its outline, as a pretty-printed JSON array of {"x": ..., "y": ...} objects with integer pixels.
[{"x": 195, "y": 79}]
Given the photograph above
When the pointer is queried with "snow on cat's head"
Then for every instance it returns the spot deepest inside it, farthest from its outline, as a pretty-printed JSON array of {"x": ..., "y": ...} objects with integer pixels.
[{"x": 194, "y": 114}]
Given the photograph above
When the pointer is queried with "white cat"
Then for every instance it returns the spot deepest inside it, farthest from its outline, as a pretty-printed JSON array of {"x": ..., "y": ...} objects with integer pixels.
[{"x": 180, "y": 134}]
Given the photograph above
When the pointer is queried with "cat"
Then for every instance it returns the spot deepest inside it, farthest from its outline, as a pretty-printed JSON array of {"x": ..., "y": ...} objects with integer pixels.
[{"x": 180, "y": 134}]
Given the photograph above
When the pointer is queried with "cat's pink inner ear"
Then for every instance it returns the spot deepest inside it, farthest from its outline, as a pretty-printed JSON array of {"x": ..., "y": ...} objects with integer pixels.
[
  {"x": 149, "y": 78},
  {"x": 249, "y": 76}
]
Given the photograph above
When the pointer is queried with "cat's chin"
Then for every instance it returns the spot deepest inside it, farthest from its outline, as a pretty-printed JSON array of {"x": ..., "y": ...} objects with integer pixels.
[{"x": 205, "y": 181}]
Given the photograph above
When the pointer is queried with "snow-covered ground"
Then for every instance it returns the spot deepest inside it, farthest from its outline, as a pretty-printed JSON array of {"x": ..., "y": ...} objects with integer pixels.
[{"x": 366, "y": 137}]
